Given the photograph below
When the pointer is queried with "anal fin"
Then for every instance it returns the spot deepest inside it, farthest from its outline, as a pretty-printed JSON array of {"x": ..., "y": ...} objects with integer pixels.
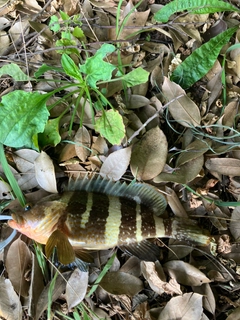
[{"x": 144, "y": 250}]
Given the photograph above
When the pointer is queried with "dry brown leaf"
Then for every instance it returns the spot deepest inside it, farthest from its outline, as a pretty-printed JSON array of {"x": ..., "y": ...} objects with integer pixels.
[
  {"x": 234, "y": 224},
  {"x": 136, "y": 101},
  {"x": 132, "y": 266},
  {"x": 183, "y": 110},
  {"x": 10, "y": 305},
  {"x": 4, "y": 41},
  {"x": 5, "y": 190},
  {"x": 184, "y": 173},
  {"x": 209, "y": 302},
  {"x": 118, "y": 283},
  {"x": 235, "y": 315},
  {"x": 76, "y": 288},
  {"x": 193, "y": 151},
  {"x": 186, "y": 307},
  {"x": 59, "y": 287},
  {"x": 116, "y": 164},
  {"x": 185, "y": 273},
  {"x": 36, "y": 286},
  {"x": 225, "y": 166},
  {"x": 149, "y": 155},
  {"x": 82, "y": 141},
  {"x": 18, "y": 265},
  {"x": 151, "y": 275},
  {"x": 45, "y": 173},
  {"x": 174, "y": 203},
  {"x": 230, "y": 113}
]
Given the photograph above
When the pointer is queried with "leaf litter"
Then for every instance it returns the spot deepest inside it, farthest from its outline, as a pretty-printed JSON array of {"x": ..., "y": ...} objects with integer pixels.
[{"x": 136, "y": 58}]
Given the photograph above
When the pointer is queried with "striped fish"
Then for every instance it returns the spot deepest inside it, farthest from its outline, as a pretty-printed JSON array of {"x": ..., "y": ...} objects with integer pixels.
[{"x": 100, "y": 214}]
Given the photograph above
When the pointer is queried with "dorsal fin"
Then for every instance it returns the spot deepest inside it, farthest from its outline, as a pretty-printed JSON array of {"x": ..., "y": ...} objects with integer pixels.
[{"x": 141, "y": 193}]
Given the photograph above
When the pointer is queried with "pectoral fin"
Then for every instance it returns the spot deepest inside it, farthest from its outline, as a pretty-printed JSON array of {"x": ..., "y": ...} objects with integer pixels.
[{"x": 60, "y": 241}]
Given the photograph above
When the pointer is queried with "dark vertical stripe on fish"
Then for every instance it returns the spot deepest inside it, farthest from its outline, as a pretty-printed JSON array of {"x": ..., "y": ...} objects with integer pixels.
[
  {"x": 77, "y": 203},
  {"x": 148, "y": 222},
  {"x": 128, "y": 225},
  {"x": 98, "y": 216}
]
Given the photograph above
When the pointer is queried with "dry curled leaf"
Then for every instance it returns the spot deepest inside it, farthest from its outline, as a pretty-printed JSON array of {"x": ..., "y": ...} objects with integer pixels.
[
  {"x": 225, "y": 166},
  {"x": 76, "y": 288}
]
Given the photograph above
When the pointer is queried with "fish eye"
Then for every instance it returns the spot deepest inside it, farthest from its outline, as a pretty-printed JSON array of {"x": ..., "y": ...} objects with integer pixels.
[{"x": 27, "y": 207}]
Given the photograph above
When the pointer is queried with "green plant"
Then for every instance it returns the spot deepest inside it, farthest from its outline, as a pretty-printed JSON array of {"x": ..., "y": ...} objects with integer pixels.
[{"x": 23, "y": 115}]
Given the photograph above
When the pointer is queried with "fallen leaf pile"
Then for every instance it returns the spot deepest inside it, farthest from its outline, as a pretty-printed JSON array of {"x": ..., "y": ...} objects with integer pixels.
[{"x": 160, "y": 105}]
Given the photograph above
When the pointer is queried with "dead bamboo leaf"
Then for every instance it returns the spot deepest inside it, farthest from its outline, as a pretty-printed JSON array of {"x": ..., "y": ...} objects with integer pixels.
[
  {"x": 209, "y": 302},
  {"x": 225, "y": 166},
  {"x": 116, "y": 164},
  {"x": 149, "y": 155},
  {"x": 45, "y": 173},
  {"x": 183, "y": 110}
]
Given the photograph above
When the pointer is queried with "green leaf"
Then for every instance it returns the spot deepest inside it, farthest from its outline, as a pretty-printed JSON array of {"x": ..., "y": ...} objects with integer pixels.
[
  {"x": 64, "y": 43},
  {"x": 194, "y": 6},
  {"x": 44, "y": 68},
  {"x": 22, "y": 116},
  {"x": 96, "y": 69},
  {"x": 78, "y": 33},
  {"x": 70, "y": 68},
  {"x": 50, "y": 136},
  {"x": 14, "y": 71},
  {"x": 201, "y": 60},
  {"x": 54, "y": 24},
  {"x": 64, "y": 15},
  {"x": 135, "y": 77},
  {"x": 110, "y": 126}
]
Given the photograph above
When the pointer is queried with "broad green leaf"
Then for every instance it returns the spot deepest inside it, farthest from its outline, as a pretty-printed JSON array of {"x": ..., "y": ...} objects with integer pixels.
[
  {"x": 50, "y": 135},
  {"x": 54, "y": 24},
  {"x": 22, "y": 116},
  {"x": 135, "y": 77},
  {"x": 110, "y": 126},
  {"x": 194, "y": 6},
  {"x": 70, "y": 67},
  {"x": 201, "y": 60},
  {"x": 96, "y": 69},
  {"x": 14, "y": 71},
  {"x": 44, "y": 68}
]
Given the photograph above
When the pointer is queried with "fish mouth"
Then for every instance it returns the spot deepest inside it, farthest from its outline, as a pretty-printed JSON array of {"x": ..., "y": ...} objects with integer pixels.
[{"x": 17, "y": 218}]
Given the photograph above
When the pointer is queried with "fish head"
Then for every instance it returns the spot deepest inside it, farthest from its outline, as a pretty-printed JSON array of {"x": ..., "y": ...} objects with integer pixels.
[{"x": 38, "y": 222}]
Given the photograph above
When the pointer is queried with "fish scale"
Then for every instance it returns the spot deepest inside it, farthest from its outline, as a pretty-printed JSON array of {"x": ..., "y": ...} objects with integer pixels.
[{"x": 98, "y": 213}]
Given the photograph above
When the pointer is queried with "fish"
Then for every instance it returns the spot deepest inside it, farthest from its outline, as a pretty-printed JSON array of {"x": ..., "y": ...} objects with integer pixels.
[{"x": 97, "y": 213}]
